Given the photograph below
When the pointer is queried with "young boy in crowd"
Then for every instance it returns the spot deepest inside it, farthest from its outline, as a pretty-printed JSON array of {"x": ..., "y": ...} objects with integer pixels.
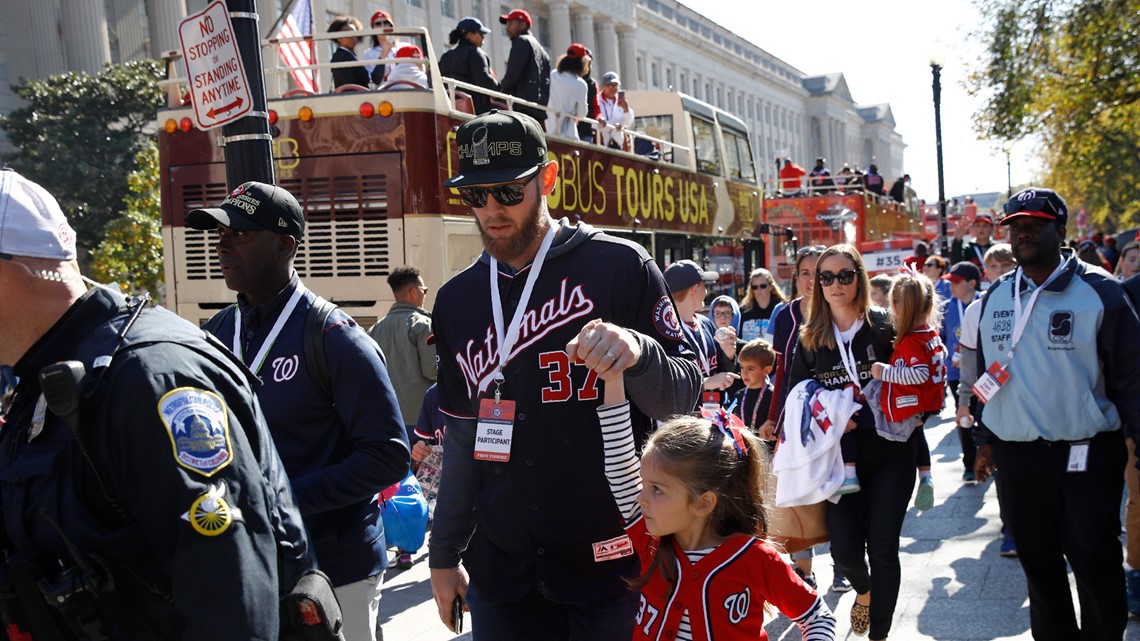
[{"x": 756, "y": 359}]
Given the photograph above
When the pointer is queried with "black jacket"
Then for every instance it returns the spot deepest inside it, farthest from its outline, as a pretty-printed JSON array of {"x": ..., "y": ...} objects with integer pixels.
[
  {"x": 470, "y": 64},
  {"x": 348, "y": 75},
  {"x": 528, "y": 74}
]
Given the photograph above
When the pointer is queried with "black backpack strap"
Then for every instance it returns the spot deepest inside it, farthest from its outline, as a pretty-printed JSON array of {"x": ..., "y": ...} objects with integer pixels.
[{"x": 315, "y": 346}]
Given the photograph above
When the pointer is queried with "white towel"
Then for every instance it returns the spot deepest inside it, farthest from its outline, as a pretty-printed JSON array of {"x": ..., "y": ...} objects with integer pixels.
[{"x": 811, "y": 473}]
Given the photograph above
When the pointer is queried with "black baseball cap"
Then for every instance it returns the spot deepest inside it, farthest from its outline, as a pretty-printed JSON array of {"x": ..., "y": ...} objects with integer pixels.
[
  {"x": 683, "y": 274},
  {"x": 1036, "y": 202},
  {"x": 253, "y": 206},
  {"x": 498, "y": 147},
  {"x": 964, "y": 270}
]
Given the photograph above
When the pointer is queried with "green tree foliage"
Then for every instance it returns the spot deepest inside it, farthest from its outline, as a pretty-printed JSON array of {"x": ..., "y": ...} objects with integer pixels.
[
  {"x": 78, "y": 135},
  {"x": 1068, "y": 72},
  {"x": 131, "y": 250}
]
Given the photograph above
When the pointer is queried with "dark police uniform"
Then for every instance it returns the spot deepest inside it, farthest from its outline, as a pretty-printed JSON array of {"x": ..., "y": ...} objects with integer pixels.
[
  {"x": 173, "y": 487},
  {"x": 338, "y": 455},
  {"x": 545, "y": 520}
]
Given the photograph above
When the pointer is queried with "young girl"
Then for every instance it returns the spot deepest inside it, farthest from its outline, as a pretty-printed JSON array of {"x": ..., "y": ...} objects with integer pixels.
[
  {"x": 914, "y": 380},
  {"x": 696, "y": 518}
]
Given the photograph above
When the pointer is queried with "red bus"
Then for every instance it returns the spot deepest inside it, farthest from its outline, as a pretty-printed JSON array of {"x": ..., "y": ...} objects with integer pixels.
[{"x": 367, "y": 166}]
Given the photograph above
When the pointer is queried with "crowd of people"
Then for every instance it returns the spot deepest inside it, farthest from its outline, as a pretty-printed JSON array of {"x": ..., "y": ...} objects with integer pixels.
[
  {"x": 573, "y": 104},
  {"x": 275, "y": 428}
]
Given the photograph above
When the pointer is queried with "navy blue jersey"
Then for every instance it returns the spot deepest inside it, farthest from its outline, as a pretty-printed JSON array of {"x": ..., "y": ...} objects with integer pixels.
[
  {"x": 542, "y": 515},
  {"x": 338, "y": 454}
]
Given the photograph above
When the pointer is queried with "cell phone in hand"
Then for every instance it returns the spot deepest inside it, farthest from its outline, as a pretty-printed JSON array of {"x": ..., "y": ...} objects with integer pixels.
[
  {"x": 621, "y": 94},
  {"x": 457, "y": 615}
]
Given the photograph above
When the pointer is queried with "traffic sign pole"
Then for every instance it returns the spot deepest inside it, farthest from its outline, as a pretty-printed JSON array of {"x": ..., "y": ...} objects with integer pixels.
[{"x": 249, "y": 151}]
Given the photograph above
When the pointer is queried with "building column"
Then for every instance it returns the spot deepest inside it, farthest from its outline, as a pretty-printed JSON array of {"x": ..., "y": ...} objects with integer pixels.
[
  {"x": 627, "y": 59},
  {"x": 584, "y": 29},
  {"x": 127, "y": 27},
  {"x": 559, "y": 29},
  {"x": 33, "y": 26},
  {"x": 85, "y": 43},
  {"x": 163, "y": 17},
  {"x": 606, "y": 56}
]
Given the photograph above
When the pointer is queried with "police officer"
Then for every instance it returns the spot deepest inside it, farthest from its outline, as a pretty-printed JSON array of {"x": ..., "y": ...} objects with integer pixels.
[
  {"x": 334, "y": 416},
  {"x": 142, "y": 496}
]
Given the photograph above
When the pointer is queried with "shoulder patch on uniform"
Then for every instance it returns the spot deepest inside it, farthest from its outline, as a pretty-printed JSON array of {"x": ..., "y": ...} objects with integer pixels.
[
  {"x": 665, "y": 319},
  {"x": 198, "y": 425},
  {"x": 210, "y": 514}
]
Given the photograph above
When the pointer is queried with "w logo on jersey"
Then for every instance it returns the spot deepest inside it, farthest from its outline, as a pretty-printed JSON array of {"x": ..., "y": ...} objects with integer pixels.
[{"x": 737, "y": 605}]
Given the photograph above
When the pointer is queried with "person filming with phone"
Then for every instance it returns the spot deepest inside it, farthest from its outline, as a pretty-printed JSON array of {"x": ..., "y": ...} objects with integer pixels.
[{"x": 614, "y": 113}]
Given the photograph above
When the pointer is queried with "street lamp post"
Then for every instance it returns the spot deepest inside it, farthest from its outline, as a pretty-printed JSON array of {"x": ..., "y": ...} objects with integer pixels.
[
  {"x": 1008, "y": 174},
  {"x": 936, "y": 69}
]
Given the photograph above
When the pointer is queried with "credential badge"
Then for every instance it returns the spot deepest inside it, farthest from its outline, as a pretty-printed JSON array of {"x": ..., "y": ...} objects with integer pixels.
[{"x": 198, "y": 425}]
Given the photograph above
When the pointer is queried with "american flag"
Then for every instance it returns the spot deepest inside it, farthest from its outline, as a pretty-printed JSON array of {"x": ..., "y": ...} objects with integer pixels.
[{"x": 298, "y": 54}]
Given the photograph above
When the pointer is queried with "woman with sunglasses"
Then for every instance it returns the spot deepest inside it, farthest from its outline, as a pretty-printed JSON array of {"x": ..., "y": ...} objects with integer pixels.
[
  {"x": 934, "y": 268},
  {"x": 842, "y": 338},
  {"x": 382, "y": 47},
  {"x": 758, "y": 304}
]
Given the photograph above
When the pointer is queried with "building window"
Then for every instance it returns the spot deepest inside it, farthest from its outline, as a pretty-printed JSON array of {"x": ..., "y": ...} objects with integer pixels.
[
  {"x": 419, "y": 4},
  {"x": 653, "y": 76},
  {"x": 684, "y": 83},
  {"x": 640, "y": 71},
  {"x": 542, "y": 29},
  {"x": 478, "y": 9},
  {"x": 669, "y": 79},
  {"x": 447, "y": 8}
]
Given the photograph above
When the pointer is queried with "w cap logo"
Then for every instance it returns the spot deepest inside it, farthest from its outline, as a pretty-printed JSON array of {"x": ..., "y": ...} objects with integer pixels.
[
  {"x": 1027, "y": 195},
  {"x": 479, "y": 153}
]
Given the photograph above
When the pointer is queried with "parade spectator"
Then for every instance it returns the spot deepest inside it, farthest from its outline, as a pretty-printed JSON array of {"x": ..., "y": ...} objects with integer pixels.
[
  {"x": 964, "y": 280},
  {"x": 402, "y": 336},
  {"x": 528, "y": 66},
  {"x": 1061, "y": 452},
  {"x": 757, "y": 359},
  {"x": 758, "y": 304},
  {"x": 898, "y": 191},
  {"x": 688, "y": 284},
  {"x": 346, "y": 52},
  {"x": 725, "y": 315},
  {"x": 614, "y": 114},
  {"x": 467, "y": 62},
  {"x": 540, "y": 558},
  {"x": 1129, "y": 263},
  {"x": 918, "y": 260},
  {"x": 1132, "y": 505},
  {"x": 336, "y": 423},
  {"x": 131, "y": 496},
  {"x": 841, "y": 339},
  {"x": 586, "y": 131},
  {"x": 982, "y": 228},
  {"x": 1107, "y": 245},
  {"x": 406, "y": 75},
  {"x": 383, "y": 47},
  {"x": 1087, "y": 251},
  {"x": 999, "y": 261},
  {"x": 791, "y": 178},
  {"x": 873, "y": 180},
  {"x": 568, "y": 93},
  {"x": 698, "y": 506},
  {"x": 935, "y": 268},
  {"x": 880, "y": 291},
  {"x": 820, "y": 178}
]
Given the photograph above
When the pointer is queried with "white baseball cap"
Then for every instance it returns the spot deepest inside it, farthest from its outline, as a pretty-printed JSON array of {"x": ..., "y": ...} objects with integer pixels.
[{"x": 31, "y": 222}]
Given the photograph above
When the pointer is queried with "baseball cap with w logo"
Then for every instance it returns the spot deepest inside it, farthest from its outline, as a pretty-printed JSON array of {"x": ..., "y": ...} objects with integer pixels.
[
  {"x": 1036, "y": 202},
  {"x": 253, "y": 206}
]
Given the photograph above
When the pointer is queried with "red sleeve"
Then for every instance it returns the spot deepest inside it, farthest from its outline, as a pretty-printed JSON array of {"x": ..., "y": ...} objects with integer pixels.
[{"x": 779, "y": 583}]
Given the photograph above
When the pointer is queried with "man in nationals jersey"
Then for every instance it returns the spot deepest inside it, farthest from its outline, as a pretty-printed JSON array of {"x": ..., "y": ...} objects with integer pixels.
[{"x": 523, "y": 499}]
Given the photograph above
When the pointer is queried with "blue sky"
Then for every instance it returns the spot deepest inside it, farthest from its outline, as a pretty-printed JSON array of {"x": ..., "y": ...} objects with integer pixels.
[{"x": 884, "y": 49}]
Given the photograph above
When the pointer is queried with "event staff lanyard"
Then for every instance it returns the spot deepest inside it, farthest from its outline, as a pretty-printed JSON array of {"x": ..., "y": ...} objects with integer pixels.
[
  {"x": 1020, "y": 318},
  {"x": 980, "y": 254},
  {"x": 506, "y": 339},
  {"x": 847, "y": 355},
  {"x": 961, "y": 311},
  {"x": 259, "y": 360}
]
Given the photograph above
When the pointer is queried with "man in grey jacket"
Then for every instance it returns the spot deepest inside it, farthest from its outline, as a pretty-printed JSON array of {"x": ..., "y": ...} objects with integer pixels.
[{"x": 402, "y": 336}]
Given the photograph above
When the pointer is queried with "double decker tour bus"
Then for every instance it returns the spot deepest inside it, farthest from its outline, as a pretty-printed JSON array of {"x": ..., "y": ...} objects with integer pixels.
[{"x": 368, "y": 164}]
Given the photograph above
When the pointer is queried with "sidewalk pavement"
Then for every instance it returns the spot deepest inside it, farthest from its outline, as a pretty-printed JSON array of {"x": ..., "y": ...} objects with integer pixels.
[{"x": 955, "y": 587}]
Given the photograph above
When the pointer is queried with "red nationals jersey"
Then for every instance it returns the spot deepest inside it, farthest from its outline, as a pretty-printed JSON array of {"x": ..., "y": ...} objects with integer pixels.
[
  {"x": 920, "y": 348},
  {"x": 724, "y": 592}
]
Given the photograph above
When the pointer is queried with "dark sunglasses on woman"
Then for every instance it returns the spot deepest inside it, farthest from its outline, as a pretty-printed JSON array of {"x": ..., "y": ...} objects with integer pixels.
[
  {"x": 845, "y": 277},
  {"x": 508, "y": 195},
  {"x": 760, "y": 286}
]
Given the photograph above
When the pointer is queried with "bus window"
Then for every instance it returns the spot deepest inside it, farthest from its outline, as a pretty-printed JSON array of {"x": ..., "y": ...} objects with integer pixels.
[
  {"x": 739, "y": 156},
  {"x": 660, "y": 127},
  {"x": 704, "y": 141}
]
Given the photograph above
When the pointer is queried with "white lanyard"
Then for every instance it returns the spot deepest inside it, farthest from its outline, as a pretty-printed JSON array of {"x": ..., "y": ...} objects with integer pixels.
[
  {"x": 698, "y": 346},
  {"x": 755, "y": 408},
  {"x": 847, "y": 355},
  {"x": 610, "y": 111},
  {"x": 1021, "y": 319},
  {"x": 980, "y": 254},
  {"x": 271, "y": 338},
  {"x": 961, "y": 313},
  {"x": 506, "y": 339}
]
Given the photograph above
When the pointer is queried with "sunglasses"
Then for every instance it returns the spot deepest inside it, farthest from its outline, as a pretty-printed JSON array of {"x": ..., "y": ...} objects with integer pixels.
[
  {"x": 508, "y": 195},
  {"x": 845, "y": 277},
  {"x": 810, "y": 250},
  {"x": 930, "y": 265},
  {"x": 760, "y": 286},
  {"x": 384, "y": 24},
  {"x": 1040, "y": 203}
]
